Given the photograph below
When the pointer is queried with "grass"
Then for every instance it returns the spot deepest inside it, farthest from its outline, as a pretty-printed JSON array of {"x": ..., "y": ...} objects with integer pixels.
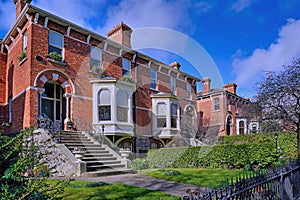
[
  {"x": 82, "y": 190},
  {"x": 200, "y": 177}
]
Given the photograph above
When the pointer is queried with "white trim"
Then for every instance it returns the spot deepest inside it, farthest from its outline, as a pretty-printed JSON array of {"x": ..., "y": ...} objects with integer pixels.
[
  {"x": 142, "y": 108},
  {"x": 12, "y": 39},
  {"x": 82, "y": 97},
  {"x": 27, "y": 16},
  {"x": 68, "y": 30},
  {"x": 46, "y": 22},
  {"x": 88, "y": 39},
  {"x": 54, "y": 70},
  {"x": 36, "y": 18},
  {"x": 20, "y": 31}
]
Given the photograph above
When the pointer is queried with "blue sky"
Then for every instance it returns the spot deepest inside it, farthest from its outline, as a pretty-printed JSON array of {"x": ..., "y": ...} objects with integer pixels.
[{"x": 244, "y": 38}]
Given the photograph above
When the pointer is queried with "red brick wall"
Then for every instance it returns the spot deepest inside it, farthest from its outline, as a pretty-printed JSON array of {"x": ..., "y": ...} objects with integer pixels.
[{"x": 3, "y": 78}]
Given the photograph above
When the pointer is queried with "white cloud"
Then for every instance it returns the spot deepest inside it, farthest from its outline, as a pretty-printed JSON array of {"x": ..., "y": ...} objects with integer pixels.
[
  {"x": 248, "y": 70},
  {"x": 79, "y": 12},
  {"x": 148, "y": 13},
  {"x": 240, "y": 5}
]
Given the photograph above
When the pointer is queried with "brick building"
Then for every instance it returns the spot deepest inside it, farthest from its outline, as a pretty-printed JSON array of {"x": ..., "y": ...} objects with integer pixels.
[
  {"x": 45, "y": 69},
  {"x": 221, "y": 111}
]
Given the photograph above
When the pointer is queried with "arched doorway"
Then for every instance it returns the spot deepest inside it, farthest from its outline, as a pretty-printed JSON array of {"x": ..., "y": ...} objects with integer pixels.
[
  {"x": 52, "y": 102},
  {"x": 228, "y": 125}
]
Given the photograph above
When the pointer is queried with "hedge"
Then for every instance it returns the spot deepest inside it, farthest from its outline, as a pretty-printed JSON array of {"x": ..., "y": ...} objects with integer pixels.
[{"x": 239, "y": 151}]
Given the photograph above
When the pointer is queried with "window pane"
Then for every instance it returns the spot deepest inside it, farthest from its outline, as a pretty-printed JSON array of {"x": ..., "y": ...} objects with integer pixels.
[
  {"x": 25, "y": 37},
  {"x": 174, "y": 109},
  {"x": 152, "y": 84},
  {"x": 173, "y": 121},
  {"x": 126, "y": 64},
  {"x": 104, "y": 113},
  {"x": 95, "y": 53},
  {"x": 58, "y": 103},
  {"x": 152, "y": 74},
  {"x": 122, "y": 114},
  {"x": 104, "y": 97},
  {"x": 48, "y": 108},
  {"x": 54, "y": 49},
  {"x": 58, "y": 91},
  {"x": 49, "y": 90},
  {"x": 188, "y": 90},
  {"x": 95, "y": 63},
  {"x": 56, "y": 39},
  {"x": 172, "y": 84},
  {"x": 161, "y": 122},
  {"x": 122, "y": 98},
  {"x": 161, "y": 109}
]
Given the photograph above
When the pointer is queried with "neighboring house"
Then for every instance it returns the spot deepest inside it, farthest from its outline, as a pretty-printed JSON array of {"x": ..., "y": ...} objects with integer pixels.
[
  {"x": 45, "y": 68},
  {"x": 221, "y": 111}
]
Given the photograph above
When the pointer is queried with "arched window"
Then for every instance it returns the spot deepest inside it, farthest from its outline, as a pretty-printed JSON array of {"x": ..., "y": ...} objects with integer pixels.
[
  {"x": 104, "y": 105},
  {"x": 174, "y": 115},
  {"x": 161, "y": 115},
  {"x": 241, "y": 127},
  {"x": 122, "y": 106}
]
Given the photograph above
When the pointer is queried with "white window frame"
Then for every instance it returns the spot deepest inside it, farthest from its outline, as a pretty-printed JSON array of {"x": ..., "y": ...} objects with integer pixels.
[
  {"x": 236, "y": 105},
  {"x": 108, "y": 105},
  {"x": 126, "y": 67},
  {"x": 173, "y": 85},
  {"x": 228, "y": 104},
  {"x": 153, "y": 78},
  {"x": 96, "y": 59},
  {"x": 59, "y": 47},
  {"x": 161, "y": 116},
  {"x": 122, "y": 107},
  {"x": 188, "y": 90},
  {"x": 174, "y": 116},
  {"x": 25, "y": 41},
  {"x": 216, "y": 103}
]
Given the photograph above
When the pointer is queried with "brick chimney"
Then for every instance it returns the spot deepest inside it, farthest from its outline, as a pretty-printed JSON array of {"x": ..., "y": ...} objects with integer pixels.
[
  {"x": 175, "y": 65},
  {"x": 20, "y": 4},
  {"x": 230, "y": 87},
  {"x": 206, "y": 85},
  {"x": 121, "y": 34}
]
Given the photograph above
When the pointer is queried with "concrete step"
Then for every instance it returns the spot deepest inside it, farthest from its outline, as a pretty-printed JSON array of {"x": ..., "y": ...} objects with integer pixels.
[
  {"x": 96, "y": 155},
  {"x": 102, "y": 162},
  {"x": 86, "y": 159},
  {"x": 108, "y": 166},
  {"x": 107, "y": 172}
]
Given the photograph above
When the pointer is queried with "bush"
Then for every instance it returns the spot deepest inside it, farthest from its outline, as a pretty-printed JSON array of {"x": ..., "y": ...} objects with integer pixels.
[
  {"x": 172, "y": 173},
  {"x": 140, "y": 163},
  {"x": 219, "y": 156}
]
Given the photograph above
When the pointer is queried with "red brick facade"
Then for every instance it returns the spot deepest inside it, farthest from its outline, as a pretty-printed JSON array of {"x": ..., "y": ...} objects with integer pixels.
[
  {"x": 24, "y": 81},
  {"x": 220, "y": 109}
]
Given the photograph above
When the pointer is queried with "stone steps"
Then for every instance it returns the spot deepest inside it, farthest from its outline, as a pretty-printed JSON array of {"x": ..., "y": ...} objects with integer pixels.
[{"x": 99, "y": 161}]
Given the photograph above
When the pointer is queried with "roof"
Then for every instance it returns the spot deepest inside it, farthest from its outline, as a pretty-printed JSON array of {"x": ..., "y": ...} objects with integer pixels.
[{"x": 31, "y": 9}]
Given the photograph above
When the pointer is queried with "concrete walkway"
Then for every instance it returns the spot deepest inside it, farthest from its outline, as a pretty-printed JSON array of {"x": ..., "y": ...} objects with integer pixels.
[{"x": 141, "y": 180}]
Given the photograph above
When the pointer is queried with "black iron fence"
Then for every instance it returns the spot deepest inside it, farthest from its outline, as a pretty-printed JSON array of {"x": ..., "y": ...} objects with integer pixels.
[{"x": 277, "y": 183}]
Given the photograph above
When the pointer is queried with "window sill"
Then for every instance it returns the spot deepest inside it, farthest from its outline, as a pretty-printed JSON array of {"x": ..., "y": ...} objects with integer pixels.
[
  {"x": 56, "y": 62},
  {"x": 22, "y": 61},
  {"x": 155, "y": 90}
]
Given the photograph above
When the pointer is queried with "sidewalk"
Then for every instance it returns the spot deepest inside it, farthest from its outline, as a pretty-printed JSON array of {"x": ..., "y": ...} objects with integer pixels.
[{"x": 141, "y": 180}]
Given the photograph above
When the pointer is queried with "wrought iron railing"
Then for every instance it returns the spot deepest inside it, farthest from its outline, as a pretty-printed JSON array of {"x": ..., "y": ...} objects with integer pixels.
[
  {"x": 277, "y": 183},
  {"x": 54, "y": 128}
]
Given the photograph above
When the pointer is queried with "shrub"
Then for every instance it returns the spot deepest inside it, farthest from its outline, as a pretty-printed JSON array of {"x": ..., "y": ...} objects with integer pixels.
[
  {"x": 172, "y": 173},
  {"x": 54, "y": 56},
  {"x": 218, "y": 156},
  {"x": 140, "y": 163}
]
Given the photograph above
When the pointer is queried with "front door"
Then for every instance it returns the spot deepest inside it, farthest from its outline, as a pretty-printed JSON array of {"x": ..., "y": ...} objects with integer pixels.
[{"x": 52, "y": 102}]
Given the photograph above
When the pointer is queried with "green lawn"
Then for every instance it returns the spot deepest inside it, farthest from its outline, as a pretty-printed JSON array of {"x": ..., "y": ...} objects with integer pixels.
[
  {"x": 81, "y": 190},
  {"x": 200, "y": 177}
]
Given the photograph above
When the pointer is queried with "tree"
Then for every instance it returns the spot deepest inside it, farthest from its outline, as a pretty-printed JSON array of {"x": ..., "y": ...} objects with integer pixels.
[
  {"x": 279, "y": 96},
  {"x": 22, "y": 176}
]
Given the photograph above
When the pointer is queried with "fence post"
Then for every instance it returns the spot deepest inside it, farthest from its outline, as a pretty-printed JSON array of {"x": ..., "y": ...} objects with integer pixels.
[{"x": 281, "y": 188}]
